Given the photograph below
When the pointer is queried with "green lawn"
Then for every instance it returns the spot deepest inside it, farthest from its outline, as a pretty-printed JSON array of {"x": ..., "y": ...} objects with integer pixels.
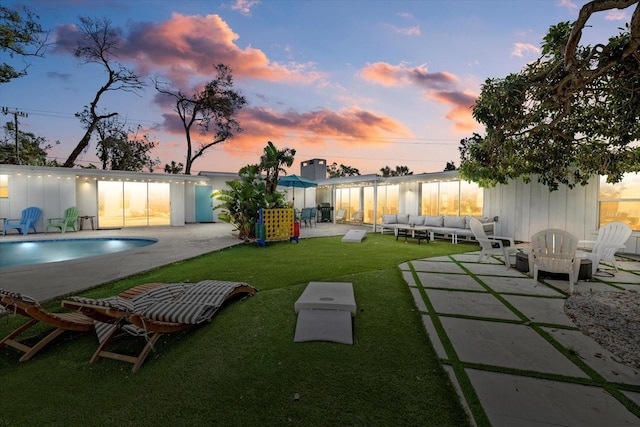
[{"x": 244, "y": 367}]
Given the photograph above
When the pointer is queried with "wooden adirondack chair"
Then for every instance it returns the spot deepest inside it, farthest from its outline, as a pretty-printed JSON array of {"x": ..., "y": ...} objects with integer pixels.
[
  {"x": 69, "y": 221},
  {"x": 27, "y": 221}
]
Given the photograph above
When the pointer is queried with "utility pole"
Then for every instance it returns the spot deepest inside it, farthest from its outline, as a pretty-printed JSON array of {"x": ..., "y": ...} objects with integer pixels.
[{"x": 16, "y": 114}]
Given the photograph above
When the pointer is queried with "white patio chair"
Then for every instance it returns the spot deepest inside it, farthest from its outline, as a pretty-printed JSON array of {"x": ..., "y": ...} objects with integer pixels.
[
  {"x": 611, "y": 238},
  {"x": 492, "y": 245},
  {"x": 554, "y": 251},
  {"x": 341, "y": 215}
]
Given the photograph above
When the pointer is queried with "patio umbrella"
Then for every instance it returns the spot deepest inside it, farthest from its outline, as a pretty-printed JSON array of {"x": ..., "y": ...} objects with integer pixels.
[{"x": 295, "y": 181}]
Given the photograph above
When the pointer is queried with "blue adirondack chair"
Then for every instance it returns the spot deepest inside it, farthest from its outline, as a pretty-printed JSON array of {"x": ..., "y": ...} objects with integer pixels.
[{"x": 28, "y": 221}]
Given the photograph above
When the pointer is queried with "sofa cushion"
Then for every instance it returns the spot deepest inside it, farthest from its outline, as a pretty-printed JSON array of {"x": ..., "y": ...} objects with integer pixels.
[
  {"x": 454, "y": 221},
  {"x": 416, "y": 220},
  {"x": 482, "y": 219},
  {"x": 433, "y": 221},
  {"x": 403, "y": 218},
  {"x": 389, "y": 219}
]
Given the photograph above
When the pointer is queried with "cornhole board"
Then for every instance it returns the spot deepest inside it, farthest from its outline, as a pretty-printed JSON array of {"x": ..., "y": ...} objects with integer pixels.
[
  {"x": 354, "y": 236},
  {"x": 324, "y": 313}
]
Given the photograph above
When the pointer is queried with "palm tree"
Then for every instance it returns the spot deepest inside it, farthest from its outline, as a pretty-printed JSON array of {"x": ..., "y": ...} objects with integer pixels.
[{"x": 272, "y": 162}]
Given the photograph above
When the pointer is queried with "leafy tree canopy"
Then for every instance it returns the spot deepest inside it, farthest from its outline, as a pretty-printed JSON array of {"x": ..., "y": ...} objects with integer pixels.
[
  {"x": 573, "y": 113},
  {"x": 20, "y": 35},
  {"x": 122, "y": 148},
  {"x": 336, "y": 171},
  {"x": 398, "y": 171},
  {"x": 32, "y": 150}
]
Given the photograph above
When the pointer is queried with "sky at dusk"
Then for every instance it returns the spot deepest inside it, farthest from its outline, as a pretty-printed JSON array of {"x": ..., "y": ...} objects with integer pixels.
[{"x": 365, "y": 83}]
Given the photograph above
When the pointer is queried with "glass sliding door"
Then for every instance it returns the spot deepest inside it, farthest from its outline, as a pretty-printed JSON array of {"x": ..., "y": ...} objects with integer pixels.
[{"x": 133, "y": 204}]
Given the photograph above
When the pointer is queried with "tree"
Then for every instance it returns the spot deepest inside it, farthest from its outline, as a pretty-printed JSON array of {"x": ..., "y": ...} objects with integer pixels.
[
  {"x": 399, "y": 171},
  {"x": 32, "y": 149},
  {"x": 254, "y": 191},
  {"x": 272, "y": 162},
  {"x": 572, "y": 114},
  {"x": 98, "y": 45},
  {"x": 174, "y": 168},
  {"x": 213, "y": 110},
  {"x": 451, "y": 166},
  {"x": 121, "y": 148},
  {"x": 336, "y": 171},
  {"x": 20, "y": 35}
]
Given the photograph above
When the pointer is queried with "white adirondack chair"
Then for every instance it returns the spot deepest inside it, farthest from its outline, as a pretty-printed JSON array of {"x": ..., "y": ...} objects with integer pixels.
[
  {"x": 611, "y": 238},
  {"x": 492, "y": 245},
  {"x": 554, "y": 251}
]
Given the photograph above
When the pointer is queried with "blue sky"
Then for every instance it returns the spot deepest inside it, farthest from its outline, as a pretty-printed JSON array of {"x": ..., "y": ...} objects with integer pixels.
[{"x": 365, "y": 83}]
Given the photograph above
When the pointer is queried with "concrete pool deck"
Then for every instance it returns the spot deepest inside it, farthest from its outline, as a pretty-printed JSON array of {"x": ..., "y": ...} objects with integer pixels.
[{"x": 52, "y": 280}]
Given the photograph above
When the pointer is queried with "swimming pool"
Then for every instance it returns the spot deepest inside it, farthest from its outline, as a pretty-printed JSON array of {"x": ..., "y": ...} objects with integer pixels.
[{"x": 44, "y": 251}]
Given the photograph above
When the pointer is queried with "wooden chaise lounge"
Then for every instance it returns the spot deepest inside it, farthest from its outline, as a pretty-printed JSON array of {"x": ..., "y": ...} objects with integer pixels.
[
  {"x": 164, "y": 309},
  {"x": 28, "y": 307}
]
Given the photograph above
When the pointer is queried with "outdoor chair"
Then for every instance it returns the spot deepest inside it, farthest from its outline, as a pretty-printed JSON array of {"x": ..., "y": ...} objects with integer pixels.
[
  {"x": 68, "y": 221},
  {"x": 306, "y": 216},
  {"x": 26, "y": 306},
  {"x": 164, "y": 309},
  {"x": 492, "y": 245},
  {"x": 357, "y": 218},
  {"x": 554, "y": 251},
  {"x": 611, "y": 238},
  {"x": 27, "y": 221},
  {"x": 341, "y": 215}
]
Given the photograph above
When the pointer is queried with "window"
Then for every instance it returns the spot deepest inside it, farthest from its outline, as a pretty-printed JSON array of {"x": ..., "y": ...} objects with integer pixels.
[
  {"x": 458, "y": 198},
  {"x": 620, "y": 202},
  {"x": 4, "y": 186}
]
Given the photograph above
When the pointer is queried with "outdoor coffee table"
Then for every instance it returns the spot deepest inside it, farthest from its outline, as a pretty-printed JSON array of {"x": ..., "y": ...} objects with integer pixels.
[{"x": 418, "y": 232}]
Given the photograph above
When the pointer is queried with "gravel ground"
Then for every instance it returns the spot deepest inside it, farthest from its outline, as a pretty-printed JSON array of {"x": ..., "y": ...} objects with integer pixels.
[{"x": 612, "y": 319}]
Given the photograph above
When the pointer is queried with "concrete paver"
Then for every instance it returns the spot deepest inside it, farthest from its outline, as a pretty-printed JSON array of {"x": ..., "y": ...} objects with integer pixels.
[{"x": 540, "y": 369}]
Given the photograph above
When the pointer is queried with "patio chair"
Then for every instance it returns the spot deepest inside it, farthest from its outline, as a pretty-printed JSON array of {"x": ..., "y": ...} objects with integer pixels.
[
  {"x": 164, "y": 309},
  {"x": 27, "y": 221},
  {"x": 68, "y": 221},
  {"x": 611, "y": 238},
  {"x": 357, "y": 218},
  {"x": 341, "y": 215},
  {"x": 29, "y": 308},
  {"x": 554, "y": 251},
  {"x": 305, "y": 216},
  {"x": 492, "y": 245}
]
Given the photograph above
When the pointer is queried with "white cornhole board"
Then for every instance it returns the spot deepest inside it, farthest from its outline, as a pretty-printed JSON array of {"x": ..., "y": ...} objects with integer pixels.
[
  {"x": 324, "y": 313},
  {"x": 354, "y": 236}
]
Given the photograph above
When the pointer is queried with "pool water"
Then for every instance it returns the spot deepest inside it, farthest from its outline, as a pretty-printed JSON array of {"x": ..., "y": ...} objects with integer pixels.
[{"x": 44, "y": 251}]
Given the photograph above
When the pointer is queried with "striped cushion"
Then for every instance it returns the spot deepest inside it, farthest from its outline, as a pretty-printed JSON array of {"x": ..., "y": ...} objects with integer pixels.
[
  {"x": 197, "y": 303},
  {"x": 111, "y": 302}
]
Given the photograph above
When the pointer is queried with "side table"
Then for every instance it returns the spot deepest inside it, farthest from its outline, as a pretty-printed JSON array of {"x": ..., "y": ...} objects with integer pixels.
[{"x": 81, "y": 220}]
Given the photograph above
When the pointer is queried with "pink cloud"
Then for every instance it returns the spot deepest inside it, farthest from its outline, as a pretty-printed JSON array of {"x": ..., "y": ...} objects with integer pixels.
[
  {"x": 353, "y": 126},
  {"x": 186, "y": 47},
  {"x": 461, "y": 104},
  {"x": 519, "y": 49},
  {"x": 400, "y": 75}
]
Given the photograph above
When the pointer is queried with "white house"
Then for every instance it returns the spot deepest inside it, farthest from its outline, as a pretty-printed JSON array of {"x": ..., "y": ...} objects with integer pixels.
[{"x": 117, "y": 199}]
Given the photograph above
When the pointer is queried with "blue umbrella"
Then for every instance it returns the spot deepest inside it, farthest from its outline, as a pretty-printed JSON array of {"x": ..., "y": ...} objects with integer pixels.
[{"x": 295, "y": 181}]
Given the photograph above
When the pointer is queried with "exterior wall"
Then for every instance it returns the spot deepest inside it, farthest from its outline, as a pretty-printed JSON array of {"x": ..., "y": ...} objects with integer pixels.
[{"x": 526, "y": 208}]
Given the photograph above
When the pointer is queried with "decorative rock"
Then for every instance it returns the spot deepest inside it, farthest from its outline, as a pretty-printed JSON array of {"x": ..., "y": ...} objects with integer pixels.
[{"x": 612, "y": 319}]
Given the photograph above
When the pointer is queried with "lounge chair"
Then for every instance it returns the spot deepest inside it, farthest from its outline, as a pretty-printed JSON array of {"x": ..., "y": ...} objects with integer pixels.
[
  {"x": 611, "y": 238},
  {"x": 357, "y": 217},
  {"x": 68, "y": 221},
  {"x": 341, "y": 215},
  {"x": 554, "y": 251},
  {"x": 27, "y": 221},
  {"x": 492, "y": 245},
  {"x": 165, "y": 309},
  {"x": 29, "y": 308}
]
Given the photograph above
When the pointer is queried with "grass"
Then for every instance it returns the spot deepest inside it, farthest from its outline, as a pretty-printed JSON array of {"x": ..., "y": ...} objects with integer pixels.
[{"x": 244, "y": 367}]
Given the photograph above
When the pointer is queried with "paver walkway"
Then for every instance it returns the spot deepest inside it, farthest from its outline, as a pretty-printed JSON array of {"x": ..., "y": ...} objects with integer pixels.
[{"x": 513, "y": 355}]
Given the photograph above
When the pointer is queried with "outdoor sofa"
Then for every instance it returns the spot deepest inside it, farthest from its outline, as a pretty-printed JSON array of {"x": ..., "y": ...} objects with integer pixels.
[{"x": 442, "y": 225}]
